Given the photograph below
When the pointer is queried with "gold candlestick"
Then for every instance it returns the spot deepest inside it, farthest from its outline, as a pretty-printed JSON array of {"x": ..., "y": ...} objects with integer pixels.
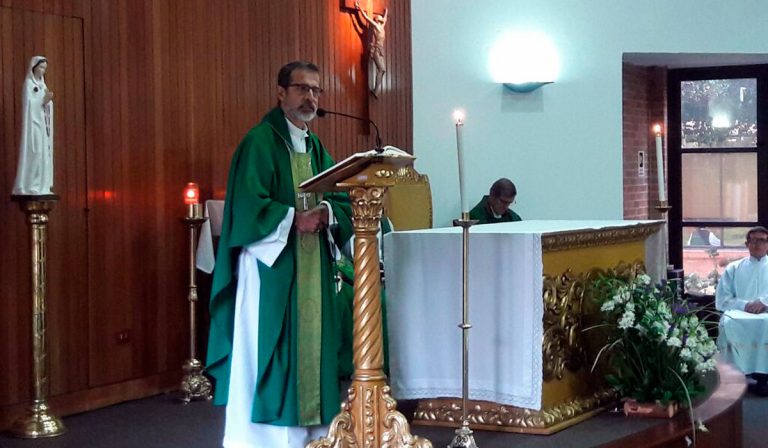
[
  {"x": 663, "y": 208},
  {"x": 38, "y": 422},
  {"x": 464, "y": 437},
  {"x": 194, "y": 385}
]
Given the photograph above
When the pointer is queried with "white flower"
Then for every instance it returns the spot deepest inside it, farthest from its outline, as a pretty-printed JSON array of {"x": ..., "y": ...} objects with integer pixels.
[
  {"x": 644, "y": 279},
  {"x": 674, "y": 341},
  {"x": 627, "y": 320},
  {"x": 683, "y": 368},
  {"x": 608, "y": 305},
  {"x": 685, "y": 353},
  {"x": 706, "y": 365},
  {"x": 622, "y": 295}
]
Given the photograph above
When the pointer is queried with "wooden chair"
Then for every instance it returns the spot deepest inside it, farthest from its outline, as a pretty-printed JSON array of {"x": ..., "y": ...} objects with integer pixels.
[{"x": 409, "y": 203}]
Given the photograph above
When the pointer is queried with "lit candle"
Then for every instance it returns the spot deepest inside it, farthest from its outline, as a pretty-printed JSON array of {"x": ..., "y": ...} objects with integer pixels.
[
  {"x": 458, "y": 115},
  {"x": 660, "y": 162},
  {"x": 192, "y": 200}
]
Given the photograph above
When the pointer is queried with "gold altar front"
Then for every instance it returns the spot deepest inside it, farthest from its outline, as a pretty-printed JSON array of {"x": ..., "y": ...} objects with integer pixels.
[{"x": 570, "y": 392}]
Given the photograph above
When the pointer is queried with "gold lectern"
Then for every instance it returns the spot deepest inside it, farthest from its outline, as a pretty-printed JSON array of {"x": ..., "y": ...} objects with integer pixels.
[{"x": 369, "y": 416}]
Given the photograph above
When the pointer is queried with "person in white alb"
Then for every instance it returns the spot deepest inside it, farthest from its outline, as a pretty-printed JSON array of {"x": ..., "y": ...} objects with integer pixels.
[{"x": 742, "y": 296}]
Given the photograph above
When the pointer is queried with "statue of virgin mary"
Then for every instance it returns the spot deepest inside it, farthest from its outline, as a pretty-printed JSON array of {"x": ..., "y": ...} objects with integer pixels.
[{"x": 34, "y": 175}]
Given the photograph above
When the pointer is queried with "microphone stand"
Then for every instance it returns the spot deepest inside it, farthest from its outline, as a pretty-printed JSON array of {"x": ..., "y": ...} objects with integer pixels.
[{"x": 323, "y": 112}]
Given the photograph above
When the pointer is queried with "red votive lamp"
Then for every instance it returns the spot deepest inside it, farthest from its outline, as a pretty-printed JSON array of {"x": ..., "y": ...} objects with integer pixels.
[{"x": 192, "y": 200}]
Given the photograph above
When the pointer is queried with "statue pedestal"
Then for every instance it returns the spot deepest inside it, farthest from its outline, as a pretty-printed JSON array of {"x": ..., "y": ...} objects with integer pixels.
[{"x": 38, "y": 422}]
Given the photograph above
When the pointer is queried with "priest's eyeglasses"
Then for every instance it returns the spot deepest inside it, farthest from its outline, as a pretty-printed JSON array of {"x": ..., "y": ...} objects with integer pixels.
[
  {"x": 757, "y": 241},
  {"x": 306, "y": 88}
]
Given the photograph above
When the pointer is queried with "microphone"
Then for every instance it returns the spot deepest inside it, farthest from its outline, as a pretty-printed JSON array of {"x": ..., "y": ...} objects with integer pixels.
[{"x": 323, "y": 112}]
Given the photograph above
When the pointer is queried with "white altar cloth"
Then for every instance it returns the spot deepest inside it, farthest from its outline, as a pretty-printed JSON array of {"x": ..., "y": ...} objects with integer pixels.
[
  {"x": 423, "y": 275},
  {"x": 205, "y": 257}
]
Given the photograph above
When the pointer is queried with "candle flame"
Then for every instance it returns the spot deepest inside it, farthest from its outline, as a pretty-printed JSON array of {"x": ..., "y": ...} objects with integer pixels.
[
  {"x": 657, "y": 129},
  {"x": 191, "y": 193},
  {"x": 458, "y": 116}
]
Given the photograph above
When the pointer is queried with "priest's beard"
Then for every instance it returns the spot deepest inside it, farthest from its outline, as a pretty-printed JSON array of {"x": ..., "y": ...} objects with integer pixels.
[
  {"x": 305, "y": 117},
  {"x": 305, "y": 113}
]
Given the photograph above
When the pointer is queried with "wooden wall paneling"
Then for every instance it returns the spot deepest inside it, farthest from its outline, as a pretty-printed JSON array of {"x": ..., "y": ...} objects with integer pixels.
[
  {"x": 15, "y": 305},
  {"x": 66, "y": 8},
  {"x": 110, "y": 360},
  {"x": 159, "y": 69},
  {"x": 67, "y": 256},
  {"x": 169, "y": 89}
]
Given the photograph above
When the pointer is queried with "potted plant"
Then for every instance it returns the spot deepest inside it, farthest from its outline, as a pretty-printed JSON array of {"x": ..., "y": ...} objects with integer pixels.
[{"x": 657, "y": 348}]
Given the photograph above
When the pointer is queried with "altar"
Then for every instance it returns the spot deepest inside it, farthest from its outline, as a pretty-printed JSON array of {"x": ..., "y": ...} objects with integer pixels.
[{"x": 528, "y": 357}]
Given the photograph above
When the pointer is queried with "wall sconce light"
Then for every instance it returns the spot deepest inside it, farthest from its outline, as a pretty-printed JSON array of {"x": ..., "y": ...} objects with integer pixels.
[
  {"x": 525, "y": 87},
  {"x": 524, "y": 61}
]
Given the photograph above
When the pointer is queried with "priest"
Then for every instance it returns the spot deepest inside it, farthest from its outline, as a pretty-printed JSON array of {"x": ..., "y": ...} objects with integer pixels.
[
  {"x": 494, "y": 207},
  {"x": 275, "y": 331}
]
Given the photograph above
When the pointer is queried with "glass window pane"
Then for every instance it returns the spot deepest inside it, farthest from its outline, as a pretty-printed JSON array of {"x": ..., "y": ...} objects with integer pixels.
[
  {"x": 706, "y": 253},
  {"x": 719, "y": 113},
  {"x": 720, "y": 187}
]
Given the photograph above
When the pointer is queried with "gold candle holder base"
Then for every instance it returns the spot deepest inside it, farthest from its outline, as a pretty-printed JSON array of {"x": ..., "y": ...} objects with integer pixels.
[
  {"x": 463, "y": 438},
  {"x": 663, "y": 208},
  {"x": 37, "y": 423},
  {"x": 194, "y": 385}
]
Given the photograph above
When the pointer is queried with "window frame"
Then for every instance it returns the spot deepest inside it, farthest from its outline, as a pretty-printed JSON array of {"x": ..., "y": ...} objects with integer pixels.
[{"x": 675, "y": 152}]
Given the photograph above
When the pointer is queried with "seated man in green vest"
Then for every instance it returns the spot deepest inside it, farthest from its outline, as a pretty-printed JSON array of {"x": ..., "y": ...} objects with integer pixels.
[{"x": 494, "y": 207}]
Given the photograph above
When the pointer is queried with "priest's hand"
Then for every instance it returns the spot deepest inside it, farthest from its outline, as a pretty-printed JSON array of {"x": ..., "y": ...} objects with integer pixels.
[
  {"x": 755, "y": 307},
  {"x": 311, "y": 221}
]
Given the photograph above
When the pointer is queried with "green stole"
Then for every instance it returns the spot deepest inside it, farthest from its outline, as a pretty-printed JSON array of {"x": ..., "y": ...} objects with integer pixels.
[{"x": 309, "y": 299}]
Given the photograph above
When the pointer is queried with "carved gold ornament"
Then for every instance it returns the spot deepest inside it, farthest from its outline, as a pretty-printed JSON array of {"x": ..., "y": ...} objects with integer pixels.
[{"x": 581, "y": 238}]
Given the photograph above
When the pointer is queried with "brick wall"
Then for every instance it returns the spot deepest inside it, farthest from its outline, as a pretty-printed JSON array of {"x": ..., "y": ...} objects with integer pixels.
[{"x": 644, "y": 103}]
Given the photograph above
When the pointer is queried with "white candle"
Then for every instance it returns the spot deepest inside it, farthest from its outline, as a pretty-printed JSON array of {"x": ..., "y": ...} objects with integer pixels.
[
  {"x": 459, "y": 117},
  {"x": 660, "y": 163}
]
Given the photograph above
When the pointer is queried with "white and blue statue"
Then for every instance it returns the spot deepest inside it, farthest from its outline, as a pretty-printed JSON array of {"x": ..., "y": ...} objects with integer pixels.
[{"x": 34, "y": 175}]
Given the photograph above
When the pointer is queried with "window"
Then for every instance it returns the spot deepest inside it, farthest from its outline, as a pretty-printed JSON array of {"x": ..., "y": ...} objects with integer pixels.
[{"x": 718, "y": 167}]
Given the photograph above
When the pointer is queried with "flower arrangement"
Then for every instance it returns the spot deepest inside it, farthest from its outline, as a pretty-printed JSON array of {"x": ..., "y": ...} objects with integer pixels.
[{"x": 658, "y": 348}]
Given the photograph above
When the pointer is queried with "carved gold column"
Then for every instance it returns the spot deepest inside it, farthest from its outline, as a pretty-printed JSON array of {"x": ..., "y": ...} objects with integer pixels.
[
  {"x": 369, "y": 417},
  {"x": 38, "y": 421}
]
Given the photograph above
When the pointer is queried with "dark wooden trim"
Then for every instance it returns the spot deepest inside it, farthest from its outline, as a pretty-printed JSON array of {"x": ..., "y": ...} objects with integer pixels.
[{"x": 721, "y": 413}]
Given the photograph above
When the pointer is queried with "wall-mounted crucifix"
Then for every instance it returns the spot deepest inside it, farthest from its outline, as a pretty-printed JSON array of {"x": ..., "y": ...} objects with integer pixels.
[{"x": 373, "y": 23}]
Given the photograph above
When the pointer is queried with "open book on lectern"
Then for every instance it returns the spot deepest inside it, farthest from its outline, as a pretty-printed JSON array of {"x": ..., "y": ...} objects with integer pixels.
[{"x": 327, "y": 180}]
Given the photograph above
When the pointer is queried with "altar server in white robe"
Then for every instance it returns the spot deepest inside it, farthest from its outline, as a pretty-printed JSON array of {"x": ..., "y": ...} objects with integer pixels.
[{"x": 742, "y": 296}]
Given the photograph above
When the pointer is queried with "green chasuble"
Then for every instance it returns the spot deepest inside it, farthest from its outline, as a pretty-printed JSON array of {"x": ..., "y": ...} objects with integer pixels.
[
  {"x": 260, "y": 191},
  {"x": 483, "y": 213}
]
